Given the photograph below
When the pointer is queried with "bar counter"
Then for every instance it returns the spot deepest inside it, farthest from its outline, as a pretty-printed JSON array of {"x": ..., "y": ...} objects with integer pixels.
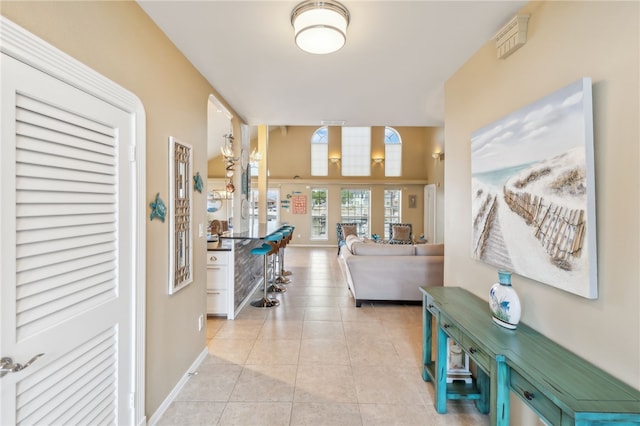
[
  {"x": 258, "y": 231},
  {"x": 247, "y": 268}
]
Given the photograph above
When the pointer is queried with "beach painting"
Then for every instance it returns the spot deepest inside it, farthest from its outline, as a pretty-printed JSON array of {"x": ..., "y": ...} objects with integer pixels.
[{"x": 533, "y": 192}]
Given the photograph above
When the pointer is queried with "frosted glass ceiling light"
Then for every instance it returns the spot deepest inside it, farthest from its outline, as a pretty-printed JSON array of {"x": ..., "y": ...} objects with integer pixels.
[{"x": 320, "y": 26}]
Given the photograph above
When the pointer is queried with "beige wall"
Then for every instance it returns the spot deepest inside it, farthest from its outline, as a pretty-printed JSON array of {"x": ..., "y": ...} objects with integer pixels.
[
  {"x": 289, "y": 156},
  {"x": 119, "y": 40},
  {"x": 566, "y": 41}
]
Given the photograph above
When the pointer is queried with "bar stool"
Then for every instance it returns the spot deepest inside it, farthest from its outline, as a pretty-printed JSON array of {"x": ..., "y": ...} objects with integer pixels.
[
  {"x": 275, "y": 240},
  {"x": 287, "y": 231},
  {"x": 284, "y": 272},
  {"x": 264, "y": 302}
]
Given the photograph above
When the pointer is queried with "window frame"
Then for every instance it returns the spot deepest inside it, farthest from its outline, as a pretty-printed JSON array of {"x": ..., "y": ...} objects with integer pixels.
[
  {"x": 323, "y": 236},
  {"x": 356, "y": 151},
  {"x": 319, "y": 152},
  {"x": 364, "y": 228},
  {"x": 392, "y": 152}
]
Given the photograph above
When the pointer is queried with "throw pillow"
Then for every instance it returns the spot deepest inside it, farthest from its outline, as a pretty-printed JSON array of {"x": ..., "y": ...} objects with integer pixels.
[
  {"x": 349, "y": 230},
  {"x": 401, "y": 233}
]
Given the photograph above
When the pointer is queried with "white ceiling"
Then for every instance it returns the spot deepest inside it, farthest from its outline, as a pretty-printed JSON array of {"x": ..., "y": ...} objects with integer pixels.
[{"x": 391, "y": 71}]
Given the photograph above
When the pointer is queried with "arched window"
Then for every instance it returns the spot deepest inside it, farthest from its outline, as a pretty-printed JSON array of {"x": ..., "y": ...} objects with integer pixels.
[
  {"x": 320, "y": 152},
  {"x": 392, "y": 152}
]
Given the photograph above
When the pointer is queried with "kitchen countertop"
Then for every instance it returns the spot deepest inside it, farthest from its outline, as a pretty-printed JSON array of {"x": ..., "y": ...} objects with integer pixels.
[{"x": 220, "y": 245}]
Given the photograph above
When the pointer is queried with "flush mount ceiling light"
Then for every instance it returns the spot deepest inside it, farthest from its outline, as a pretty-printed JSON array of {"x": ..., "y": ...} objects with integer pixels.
[{"x": 320, "y": 27}]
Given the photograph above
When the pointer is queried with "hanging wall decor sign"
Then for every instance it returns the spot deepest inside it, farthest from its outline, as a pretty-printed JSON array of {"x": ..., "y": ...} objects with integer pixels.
[
  {"x": 180, "y": 216},
  {"x": 299, "y": 203}
]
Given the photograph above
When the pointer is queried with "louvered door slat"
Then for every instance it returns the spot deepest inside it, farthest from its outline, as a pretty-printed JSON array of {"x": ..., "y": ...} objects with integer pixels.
[
  {"x": 46, "y": 303},
  {"x": 44, "y": 272},
  {"x": 35, "y": 151},
  {"x": 43, "y": 197},
  {"x": 65, "y": 365},
  {"x": 55, "y": 258},
  {"x": 47, "y": 246},
  {"x": 103, "y": 418},
  {"x": 30, "y": 183},
  {"x": 48, "y": 172},
  {"x": 67, "y": 128},
  {"x": 28, "y": 103},
  {"x": 47, "y": 145},
  {"x": 29, "y": 210},
  {"x": 86, "y": 389},
  {"x": 57, "y": 385},
  {"x": 31, "y": 322},
  {"x": 28, "y": 134},
  {"x": 50, "y": 283},
  {"x": 98, "y": 400},
  {"x": 52, "y": 406},
  {"x": 70, "y": 222}
]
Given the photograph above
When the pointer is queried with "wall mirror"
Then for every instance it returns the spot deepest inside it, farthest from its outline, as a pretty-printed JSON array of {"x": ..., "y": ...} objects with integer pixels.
[{"x": 180, "y": 212}]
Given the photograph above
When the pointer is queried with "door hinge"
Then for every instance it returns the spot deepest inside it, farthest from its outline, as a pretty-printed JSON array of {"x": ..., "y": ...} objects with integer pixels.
[
  {"x": 132, "y": 400},
  {"x": 132, "y": 154}
]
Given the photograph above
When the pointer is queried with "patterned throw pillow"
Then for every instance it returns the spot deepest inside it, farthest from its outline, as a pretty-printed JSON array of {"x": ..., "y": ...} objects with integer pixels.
[
  {"x": 401, "y": 233},
  {"x": 349, "y": 230}
]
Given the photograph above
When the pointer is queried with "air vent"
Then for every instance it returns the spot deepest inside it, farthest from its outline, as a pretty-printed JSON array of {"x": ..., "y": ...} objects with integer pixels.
[
  {"x": 332, "y": 122},
  {"x": 512, "y": 36}
]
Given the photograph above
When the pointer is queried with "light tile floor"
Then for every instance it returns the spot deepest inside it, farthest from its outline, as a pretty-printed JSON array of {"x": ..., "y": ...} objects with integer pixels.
[{"x": 315, "y": 360}]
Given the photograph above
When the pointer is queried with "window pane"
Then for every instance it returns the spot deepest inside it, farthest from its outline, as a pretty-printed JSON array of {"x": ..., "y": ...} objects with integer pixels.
[
  {"x": 354, "y": 208},
  {"x": 319, "y": 159},
  {"x": 273, "y": 200},
  {"x": 356, "y": 151},
  {"x": 320, "y": 152},
  {"x": 392, "y": 214},
  {"x": 319, "y": 214},
  {"x": 392, "y": 152}
]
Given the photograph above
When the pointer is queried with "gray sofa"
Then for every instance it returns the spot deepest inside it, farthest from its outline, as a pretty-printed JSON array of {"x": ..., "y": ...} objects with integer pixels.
[{"x": 387, "y": 272}]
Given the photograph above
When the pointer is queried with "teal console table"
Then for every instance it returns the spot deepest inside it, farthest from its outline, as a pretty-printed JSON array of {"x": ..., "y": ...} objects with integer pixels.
[{"x": 558, "y": 385}]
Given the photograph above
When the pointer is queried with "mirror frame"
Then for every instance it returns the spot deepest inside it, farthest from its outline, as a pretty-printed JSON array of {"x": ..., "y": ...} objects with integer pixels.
[{"x": 180, "y": 215}]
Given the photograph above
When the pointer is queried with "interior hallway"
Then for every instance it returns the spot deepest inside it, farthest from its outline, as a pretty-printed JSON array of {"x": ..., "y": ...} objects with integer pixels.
[{"x": 315, "y": 360}]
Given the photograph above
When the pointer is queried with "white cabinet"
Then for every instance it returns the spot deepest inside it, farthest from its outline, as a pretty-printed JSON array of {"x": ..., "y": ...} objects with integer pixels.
[{"x": 218, "y": 282}]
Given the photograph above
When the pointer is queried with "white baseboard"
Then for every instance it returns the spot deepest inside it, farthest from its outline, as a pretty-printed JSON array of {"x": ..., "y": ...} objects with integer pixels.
[{"x": 153, "y": 420}]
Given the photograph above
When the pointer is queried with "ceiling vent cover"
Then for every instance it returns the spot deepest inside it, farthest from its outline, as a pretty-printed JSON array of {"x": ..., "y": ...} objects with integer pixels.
[{"x": 512, "y": 36}]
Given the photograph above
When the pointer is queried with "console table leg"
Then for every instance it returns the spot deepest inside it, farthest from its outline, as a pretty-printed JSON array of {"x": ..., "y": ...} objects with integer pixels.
[
  {"x": 427, "y": 340},
  {"x": 502, "y": 391},
  {"x": 440, "y": 382},
  {"x": 484, "y": 385}
]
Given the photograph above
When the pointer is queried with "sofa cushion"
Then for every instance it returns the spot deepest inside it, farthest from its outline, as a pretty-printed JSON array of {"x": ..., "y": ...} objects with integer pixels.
[
  {"x": 382, "y": 250},
  {"x": 429, "y": 250},
  {"x": 350, "y": 240}
]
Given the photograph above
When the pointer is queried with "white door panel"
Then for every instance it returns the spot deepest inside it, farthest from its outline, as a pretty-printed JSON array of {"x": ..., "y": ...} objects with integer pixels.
[{"x": 65, "y": 252}]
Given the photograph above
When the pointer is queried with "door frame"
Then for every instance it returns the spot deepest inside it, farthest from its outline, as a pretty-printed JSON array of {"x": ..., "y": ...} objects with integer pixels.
[{"x": 20, "y": 44}]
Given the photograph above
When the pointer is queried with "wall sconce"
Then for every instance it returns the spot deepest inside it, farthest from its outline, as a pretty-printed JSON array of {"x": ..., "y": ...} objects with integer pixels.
[
  {"x": 334, "y": 160},
  {"x": 438, "y": 156},
  {"x": 378, "y": 160}
]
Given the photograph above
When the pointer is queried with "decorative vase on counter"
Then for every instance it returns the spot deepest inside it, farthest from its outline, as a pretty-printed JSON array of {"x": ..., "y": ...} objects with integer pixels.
[{"x": 504, "y": 302}]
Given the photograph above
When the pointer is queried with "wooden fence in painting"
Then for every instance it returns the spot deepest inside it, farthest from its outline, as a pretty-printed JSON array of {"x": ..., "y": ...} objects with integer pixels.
[{"x": 560, "y": 230}]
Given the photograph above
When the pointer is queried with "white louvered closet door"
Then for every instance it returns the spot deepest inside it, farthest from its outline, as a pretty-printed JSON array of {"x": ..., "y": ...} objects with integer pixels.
[{"x": 65, "y": 253}]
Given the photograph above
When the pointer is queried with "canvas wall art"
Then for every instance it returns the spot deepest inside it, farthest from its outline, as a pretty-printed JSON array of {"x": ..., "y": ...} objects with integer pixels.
[{"x": 533, "y": 192}]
